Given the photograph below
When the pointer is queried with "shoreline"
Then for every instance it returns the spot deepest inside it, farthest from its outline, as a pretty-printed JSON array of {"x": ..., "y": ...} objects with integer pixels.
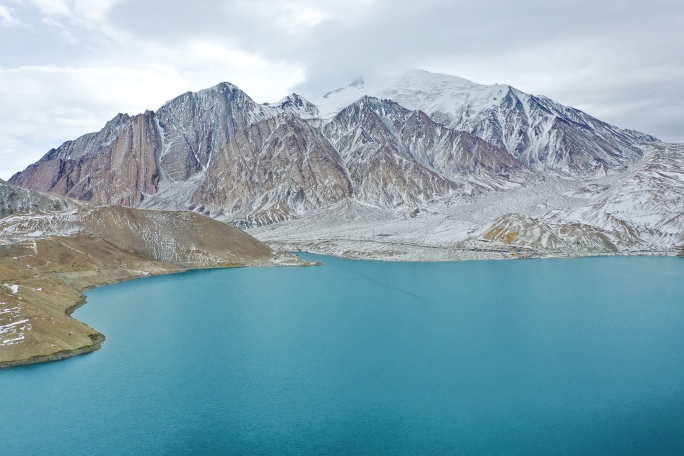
[
  {"x": 72, "y": 283},
  {"x": 406, "y": 252}
]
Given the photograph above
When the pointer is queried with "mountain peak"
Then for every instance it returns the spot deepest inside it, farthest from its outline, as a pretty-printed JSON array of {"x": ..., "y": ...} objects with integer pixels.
[
  {"x": 296, "y": 104},
  {"x": 422, "y": 77}
]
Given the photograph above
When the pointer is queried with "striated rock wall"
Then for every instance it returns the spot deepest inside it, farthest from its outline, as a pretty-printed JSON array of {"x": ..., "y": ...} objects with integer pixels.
[
  {"x": 274, "y": 170},
  {"x": 115, "y": 166}
]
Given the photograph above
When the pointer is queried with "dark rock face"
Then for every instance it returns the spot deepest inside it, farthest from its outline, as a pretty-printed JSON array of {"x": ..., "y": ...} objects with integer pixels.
[
  {"x": 115, "y": 166},
  {"x": 271, "y": 171}
]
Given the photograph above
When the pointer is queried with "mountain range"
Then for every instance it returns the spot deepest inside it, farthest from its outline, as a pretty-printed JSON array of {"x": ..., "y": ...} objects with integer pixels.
[{"x": 424, "y": 166}]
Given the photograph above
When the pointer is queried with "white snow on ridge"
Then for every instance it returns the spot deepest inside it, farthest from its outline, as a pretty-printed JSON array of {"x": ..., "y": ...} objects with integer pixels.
[
  {"x": 440, "y": 93},
  {"x": 418, "y": 90},
  {"x": 542, "y": 134},
  {"x": 646, "y": 204},
  {"x": 12, "y": 326},
  {"x": 333, "y": 102}
]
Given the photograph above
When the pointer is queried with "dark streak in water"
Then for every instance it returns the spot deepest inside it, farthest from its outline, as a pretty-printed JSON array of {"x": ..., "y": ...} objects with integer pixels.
[{"x": 390, "y": 287}]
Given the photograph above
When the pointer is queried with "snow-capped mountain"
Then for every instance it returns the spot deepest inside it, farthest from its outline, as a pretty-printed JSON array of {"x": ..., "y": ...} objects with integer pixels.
[
  {"x": 541, "y": 133},
  {"x": 221, "y": 154},
  {"x": 440, "y": 160},
  {"x": 456, "y": 155},
  {"x": 296, "y": 104}
]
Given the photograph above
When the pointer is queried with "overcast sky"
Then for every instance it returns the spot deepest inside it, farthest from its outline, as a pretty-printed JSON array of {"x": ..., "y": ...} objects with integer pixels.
[{"x": 68, "y": 66}]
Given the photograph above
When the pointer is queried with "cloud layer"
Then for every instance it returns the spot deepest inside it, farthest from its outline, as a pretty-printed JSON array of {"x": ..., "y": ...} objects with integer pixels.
[{"x": 70, "y": 65}]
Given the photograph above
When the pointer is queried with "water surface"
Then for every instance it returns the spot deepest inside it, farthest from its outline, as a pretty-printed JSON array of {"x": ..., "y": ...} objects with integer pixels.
[{"x": 577, "y": 357}]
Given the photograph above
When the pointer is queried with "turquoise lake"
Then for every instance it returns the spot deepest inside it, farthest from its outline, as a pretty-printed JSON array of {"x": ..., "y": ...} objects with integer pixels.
[{"x": 527, "y": 357}]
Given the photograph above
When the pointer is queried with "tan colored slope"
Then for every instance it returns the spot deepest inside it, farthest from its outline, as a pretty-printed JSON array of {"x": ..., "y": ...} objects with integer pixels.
[
  {"x": 182, "y": 238},
  {"x": 517, "y": 230}
]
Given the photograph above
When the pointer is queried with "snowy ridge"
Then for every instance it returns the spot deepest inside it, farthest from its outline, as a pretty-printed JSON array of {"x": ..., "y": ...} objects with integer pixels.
[
  {"x": 296, "y": 104},
  {"x": 646, "y": 206},
  {"x": 455, "y": 155},
  {"x": 541, "y": 133}
]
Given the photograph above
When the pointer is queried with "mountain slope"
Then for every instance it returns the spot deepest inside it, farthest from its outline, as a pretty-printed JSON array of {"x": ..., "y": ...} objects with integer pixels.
[
  {"x": 454, "y": 155},
  {"x": 132, "y": 158},
  {"x": 272, "y": 171},
  {"x": 441, "y": 161},
  {"x": 14, "y": 199},
  {"x": 641, "y": 211},
  {"x": 646, "y": 205},
  {"x": 114, "y": 166}
]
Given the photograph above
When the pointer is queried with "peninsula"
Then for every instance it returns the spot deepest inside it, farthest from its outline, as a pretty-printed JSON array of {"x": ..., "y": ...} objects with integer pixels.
[{"x": 54, "y": 248}]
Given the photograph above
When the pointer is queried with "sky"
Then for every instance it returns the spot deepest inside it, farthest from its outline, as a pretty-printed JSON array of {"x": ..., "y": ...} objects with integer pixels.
[{"x": 68, "y": 66}]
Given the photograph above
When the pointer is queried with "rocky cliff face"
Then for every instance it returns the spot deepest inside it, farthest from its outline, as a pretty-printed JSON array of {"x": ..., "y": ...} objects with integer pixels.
[
  {"x": 132, "y": 158},
  {"x": 114, "y": 166},
  {"x": 273, "y": 170}
]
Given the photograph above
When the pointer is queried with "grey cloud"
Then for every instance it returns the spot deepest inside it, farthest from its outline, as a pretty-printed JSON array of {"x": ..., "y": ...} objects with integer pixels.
[
  {"x": 633, "y": 50},
  {"x": 621, "y": 62}
]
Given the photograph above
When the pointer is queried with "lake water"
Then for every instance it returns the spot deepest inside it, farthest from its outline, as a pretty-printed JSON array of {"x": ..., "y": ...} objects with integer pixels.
[{"x": 548, "y": 357}]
